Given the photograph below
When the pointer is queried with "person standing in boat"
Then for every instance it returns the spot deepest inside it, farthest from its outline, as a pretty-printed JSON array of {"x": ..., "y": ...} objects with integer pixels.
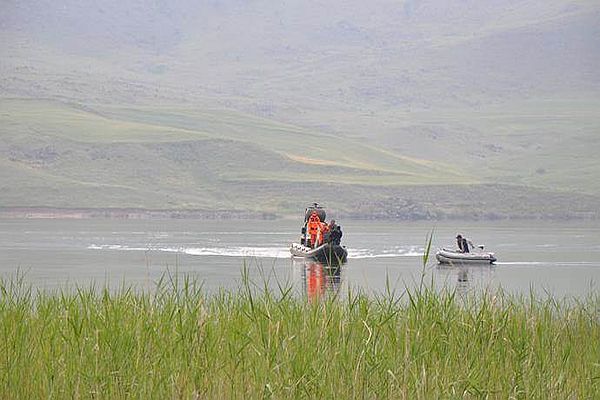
[
  {"x": 327, "y": 230},
  {"x": 320, "y": 233},
  {"x": 332, "y": 225},
  {"x": 336, "y": 235},
  {"x": 313, "y": 228}
]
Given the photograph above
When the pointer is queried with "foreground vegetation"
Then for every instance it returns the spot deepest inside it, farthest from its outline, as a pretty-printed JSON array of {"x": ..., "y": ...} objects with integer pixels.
[{"x": 178, "y": 342}]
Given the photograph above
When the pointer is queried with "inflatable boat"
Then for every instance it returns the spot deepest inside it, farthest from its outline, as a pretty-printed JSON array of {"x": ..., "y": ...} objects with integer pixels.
[
  {"x": 319, "y": 241},
  {"x": 445, "y": 256},
  {"x": 327, "y": 253}
]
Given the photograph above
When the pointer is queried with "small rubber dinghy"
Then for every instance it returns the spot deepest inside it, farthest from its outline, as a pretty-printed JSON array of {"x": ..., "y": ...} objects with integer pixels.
[
  {"x": 320, "y": 240},
  {"x": 445, "y": 256},
  {"x": 327, "y": 253}
]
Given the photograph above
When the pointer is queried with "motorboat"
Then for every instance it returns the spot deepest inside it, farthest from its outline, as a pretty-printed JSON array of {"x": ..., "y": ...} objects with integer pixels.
[
  {"x": 327, "y": 253},
  {"x": 319, "y": 241},
  {"x": 446, "y": 256}
]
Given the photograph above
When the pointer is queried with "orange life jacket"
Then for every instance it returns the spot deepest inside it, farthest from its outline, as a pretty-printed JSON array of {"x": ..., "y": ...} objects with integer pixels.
[
  {"x": 313, "y": 224},
  {"x": 321, "y": 232}
]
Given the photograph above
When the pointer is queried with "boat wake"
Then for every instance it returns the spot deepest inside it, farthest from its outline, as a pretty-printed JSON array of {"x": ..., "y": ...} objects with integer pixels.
[
  {"x": 398, "y": 251},
  {"x": 240, "y": 251},
  {"x": 261, "y": 252},
  {"x": 569, "y": 263}
]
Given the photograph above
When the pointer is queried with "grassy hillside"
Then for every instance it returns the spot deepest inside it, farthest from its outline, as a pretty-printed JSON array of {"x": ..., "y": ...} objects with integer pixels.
[
  {"x": 56, "y": 154},
  {"x": 547, "y": 143},
  {"x": 206, "y": 104}
]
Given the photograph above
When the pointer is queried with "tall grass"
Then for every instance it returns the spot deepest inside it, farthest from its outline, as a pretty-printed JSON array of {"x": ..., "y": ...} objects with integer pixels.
[{"x": 177, "y": 342}]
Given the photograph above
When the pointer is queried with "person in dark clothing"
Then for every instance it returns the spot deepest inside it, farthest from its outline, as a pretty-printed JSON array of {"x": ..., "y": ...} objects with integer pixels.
[
  {"x": 336, "y": 235},
  {"x": 332, "y": 225},
  {"x": 459, "y": 242},
  {"x": 463, "y": 245},
  {"x": 328, "y": 232}
]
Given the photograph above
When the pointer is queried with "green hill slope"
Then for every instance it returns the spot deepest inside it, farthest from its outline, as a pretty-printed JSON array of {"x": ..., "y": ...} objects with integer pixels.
[
  {"x": 59, "y": 155},
  {"x": 234, "y": 105}
]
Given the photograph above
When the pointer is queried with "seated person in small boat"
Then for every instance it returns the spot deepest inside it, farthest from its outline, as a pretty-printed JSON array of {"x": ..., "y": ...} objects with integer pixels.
[{"x": 463, "y": 245}]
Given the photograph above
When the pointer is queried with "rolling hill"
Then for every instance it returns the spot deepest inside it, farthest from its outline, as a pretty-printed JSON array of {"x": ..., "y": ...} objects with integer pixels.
[{"x": 413, "y": 109}]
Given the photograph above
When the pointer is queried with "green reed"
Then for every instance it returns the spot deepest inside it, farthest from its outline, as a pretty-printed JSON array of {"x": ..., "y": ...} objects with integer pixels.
[{"x": 178, "y": 342}]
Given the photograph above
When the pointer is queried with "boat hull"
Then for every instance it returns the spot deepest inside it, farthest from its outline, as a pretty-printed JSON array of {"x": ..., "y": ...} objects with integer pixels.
[
  {"x": 453, "y": 257},
  {"x": 327, "y": 253}
]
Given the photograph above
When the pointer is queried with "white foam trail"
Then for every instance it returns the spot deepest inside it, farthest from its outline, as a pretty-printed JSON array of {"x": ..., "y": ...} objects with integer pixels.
[
  {"x": 262, "y": 252},
  {"x": 520, "y": 263},
  {"x": 397, "y": 252},
  {"x": 545, "y": 263},
  {"x": 259, "y": 252},
  {"x": 116, "y": 247},
  {"x": 246, "y": 233}
]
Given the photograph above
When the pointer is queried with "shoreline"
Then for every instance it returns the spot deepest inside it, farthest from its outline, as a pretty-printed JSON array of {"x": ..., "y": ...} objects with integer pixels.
[{"x": 158, "y": 214}]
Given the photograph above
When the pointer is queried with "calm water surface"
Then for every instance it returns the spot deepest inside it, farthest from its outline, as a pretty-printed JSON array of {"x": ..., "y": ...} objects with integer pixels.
[{"x": 559, "y": 258}]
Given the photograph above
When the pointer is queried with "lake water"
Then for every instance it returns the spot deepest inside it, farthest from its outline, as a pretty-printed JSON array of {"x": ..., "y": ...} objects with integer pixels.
[{"x": 559, "y": 258}]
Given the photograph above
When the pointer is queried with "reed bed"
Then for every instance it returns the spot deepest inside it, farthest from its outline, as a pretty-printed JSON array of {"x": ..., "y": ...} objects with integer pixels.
[{"x": 179, "y": 342}]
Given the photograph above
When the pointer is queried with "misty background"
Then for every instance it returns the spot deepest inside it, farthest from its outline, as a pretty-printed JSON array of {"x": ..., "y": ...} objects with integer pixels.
[{"x": 381, "y": 109}]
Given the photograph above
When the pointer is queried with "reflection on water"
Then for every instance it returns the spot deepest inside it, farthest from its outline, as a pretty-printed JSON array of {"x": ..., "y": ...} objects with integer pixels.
[
  {"x": 466, "y": 277},
  {"x": 462, "y": 284},
  {"x": 319, "y": 279}
]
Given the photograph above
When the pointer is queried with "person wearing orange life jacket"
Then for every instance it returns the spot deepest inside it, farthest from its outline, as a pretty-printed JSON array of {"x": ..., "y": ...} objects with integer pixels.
[
  {"x": 322, "y": 233},
  {"x": 313, "y": 228}
]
